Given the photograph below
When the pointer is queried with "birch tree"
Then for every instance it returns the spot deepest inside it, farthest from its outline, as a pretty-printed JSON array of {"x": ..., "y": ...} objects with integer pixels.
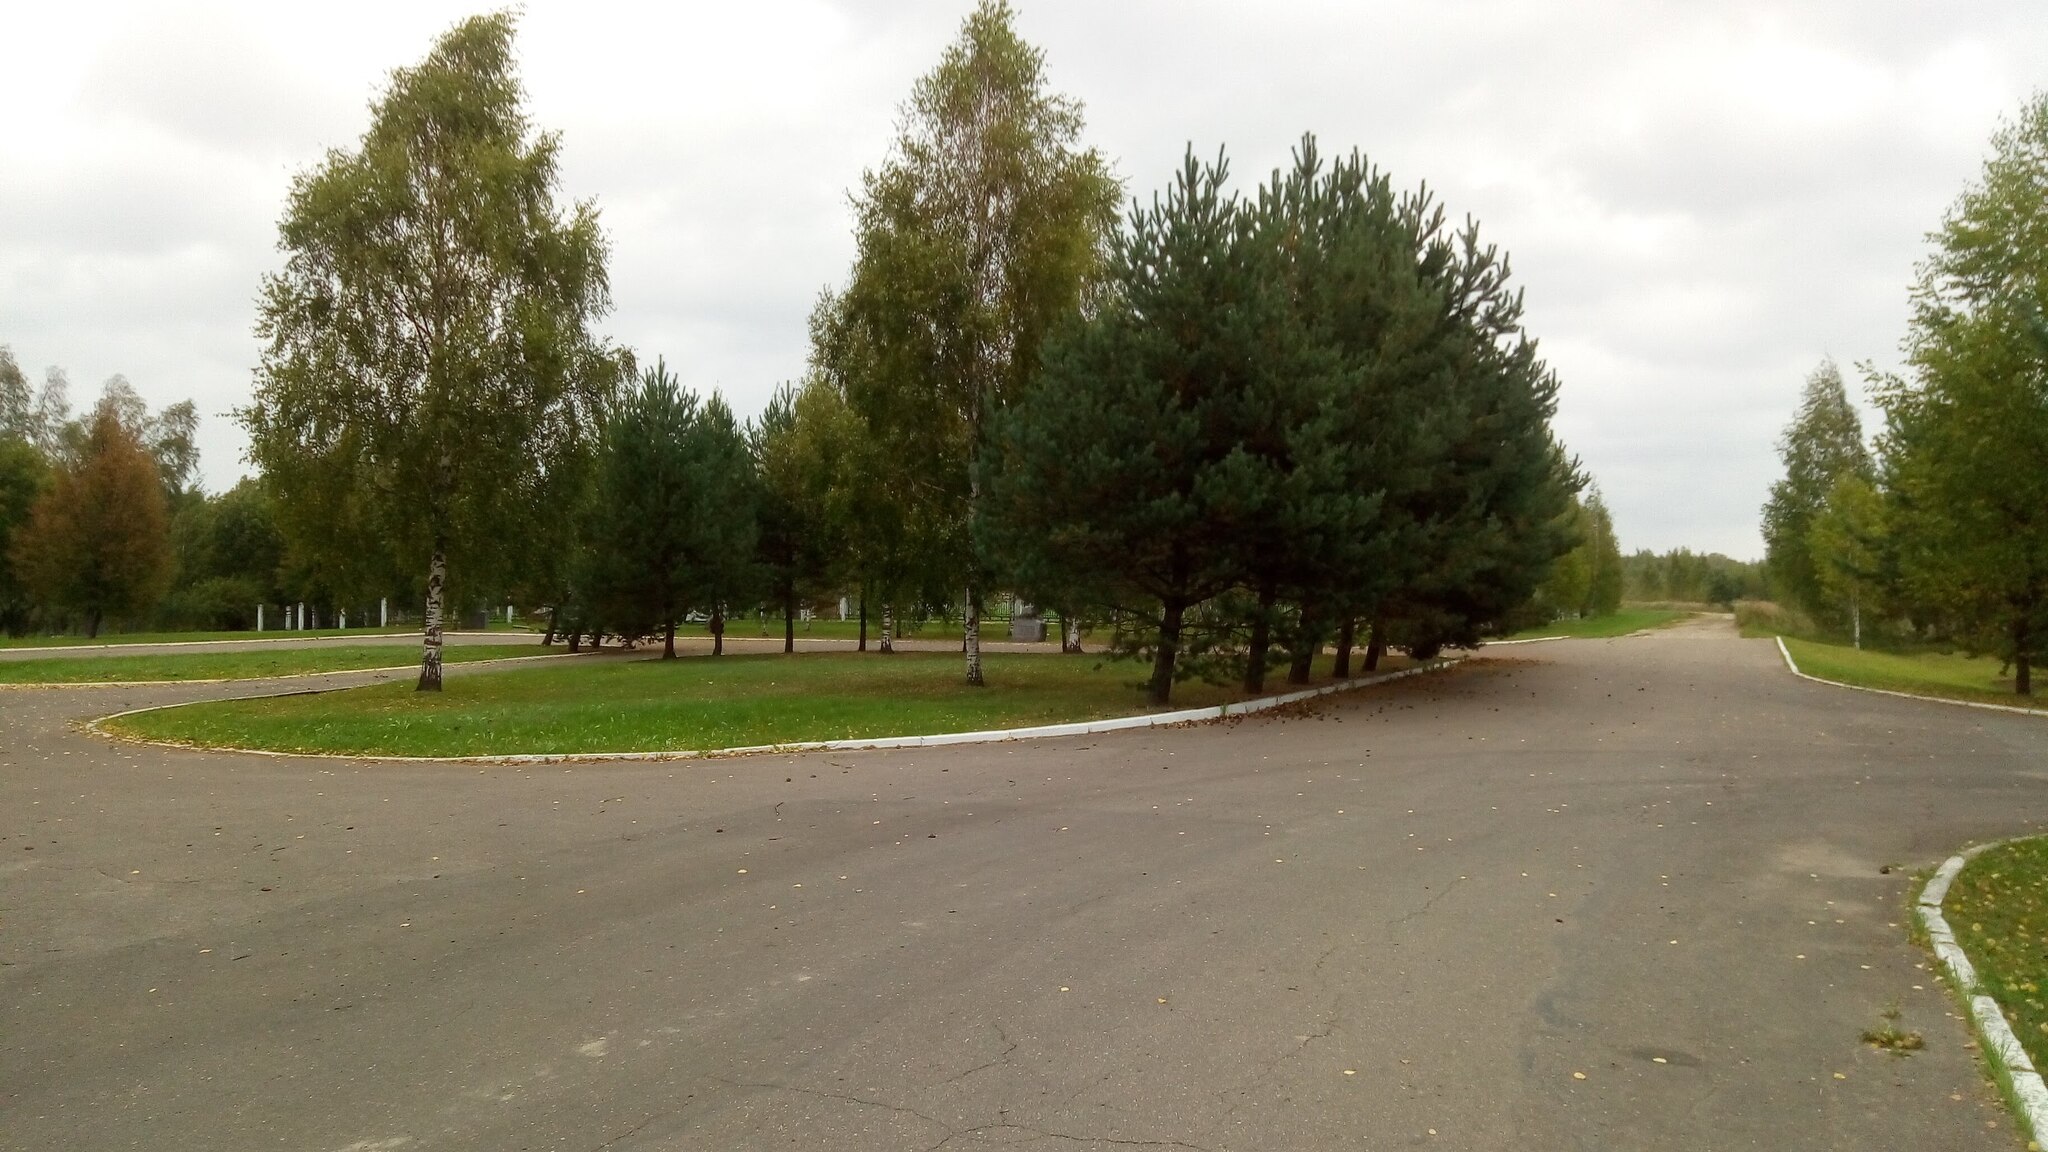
[
  {"x": 427, "y": 355},
  {"x": 985, "y": 227}
]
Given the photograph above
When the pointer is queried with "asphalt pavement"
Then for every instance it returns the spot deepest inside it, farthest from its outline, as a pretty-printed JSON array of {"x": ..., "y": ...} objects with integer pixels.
[{"x": 1644, "y": 893}]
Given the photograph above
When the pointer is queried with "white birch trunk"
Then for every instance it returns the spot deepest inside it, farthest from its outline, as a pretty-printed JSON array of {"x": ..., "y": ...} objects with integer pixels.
[
  {"x": 430, "y": 657},
  {"x": 888, "y": 628},
  {"x": 971, "y": 626}
]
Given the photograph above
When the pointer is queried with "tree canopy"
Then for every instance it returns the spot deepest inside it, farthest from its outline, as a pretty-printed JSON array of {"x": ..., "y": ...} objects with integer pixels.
[
  {"x": 427, "y": 362},
  {"x": 981, "y": 232}
]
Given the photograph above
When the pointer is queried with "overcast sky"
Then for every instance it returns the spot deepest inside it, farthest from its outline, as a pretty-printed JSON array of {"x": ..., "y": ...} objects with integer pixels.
[{"x": 1701, "y": 200}]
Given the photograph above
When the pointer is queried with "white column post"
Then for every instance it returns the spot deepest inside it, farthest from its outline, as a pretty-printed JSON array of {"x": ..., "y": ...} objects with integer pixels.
[
  {"x": 383, "y": 612},
  {"x": 302, "y": 615},
  {"x": 342, "y": 620},
  {"x": 259, "y": 617}
]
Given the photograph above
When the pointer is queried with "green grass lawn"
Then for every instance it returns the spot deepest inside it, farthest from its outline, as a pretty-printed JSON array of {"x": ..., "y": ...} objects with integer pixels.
[
  {"x": 190, "y": 637},
  {"x": 250, "y": 664},
  {"x": 691, "y": 703},
  {"x": 109, "y": 638},
  {"x": 1620, "y": 623},
  {"x": 1998, "y": 909},
  {"x": 1949, "y": 674}
]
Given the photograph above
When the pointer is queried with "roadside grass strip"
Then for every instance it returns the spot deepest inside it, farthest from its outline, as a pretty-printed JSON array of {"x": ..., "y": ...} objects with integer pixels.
[
  {"x": 1624, "y": 622},
  {"x": 2004, "y": 905},
  {"x": 209, "y": 639},
  {"x": 658, "y": 710},
  {"x": 1942, "y": 679},
  {"x": 219, "y": 667}
]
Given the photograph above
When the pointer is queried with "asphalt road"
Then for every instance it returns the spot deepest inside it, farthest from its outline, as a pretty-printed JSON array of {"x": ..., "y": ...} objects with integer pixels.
[{"x": 1413, "y": 918}]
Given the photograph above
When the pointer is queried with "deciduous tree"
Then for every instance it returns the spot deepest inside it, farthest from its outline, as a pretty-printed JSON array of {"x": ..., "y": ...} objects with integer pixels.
[
  {"x": 97, "y": 541},
  {"x": 1823, "y": 442},
  {"x": 1967, "y": 429},
  {"x": 982, "y": 230},
  {"x": 427, "y": 355}
]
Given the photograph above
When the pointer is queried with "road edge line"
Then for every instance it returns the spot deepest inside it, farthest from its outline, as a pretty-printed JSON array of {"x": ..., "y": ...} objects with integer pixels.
[
  {"x": 2029, "y": 1092},
  {"x": 1207, "y": 714},
  {"x": 1793, "y": 667}
]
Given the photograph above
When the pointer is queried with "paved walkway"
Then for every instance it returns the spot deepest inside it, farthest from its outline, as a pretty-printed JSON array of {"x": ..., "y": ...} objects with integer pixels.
[{"x": 1414, "y": 918}]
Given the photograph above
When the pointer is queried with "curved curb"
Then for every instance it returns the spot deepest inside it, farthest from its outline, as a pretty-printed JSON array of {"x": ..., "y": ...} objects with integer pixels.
[
  {"x": 992, "y": 736},
  {"x": 2027, "y": 1087},
  {"x": 1531, "y": 640},
  {"x": 1793, "y": 667},
  {"x": 58, "y": 685}
]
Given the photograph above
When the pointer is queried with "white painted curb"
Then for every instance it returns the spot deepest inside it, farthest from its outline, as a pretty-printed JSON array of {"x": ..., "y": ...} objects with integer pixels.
[
  {"x": 1793, "y": 666},
  {"x": 994, "y": 736},
  {"x": 2027, "y": 1086}
]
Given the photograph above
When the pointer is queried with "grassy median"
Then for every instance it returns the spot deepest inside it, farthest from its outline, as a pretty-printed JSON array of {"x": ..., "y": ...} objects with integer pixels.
[
  {"x": 692, "y": 703},
  {"x": 1619, "y": 623},
  {"x": 1949, "y": 674},
  {"x": 1998, "y": 909},
  {"x": 254, "y": 663}
]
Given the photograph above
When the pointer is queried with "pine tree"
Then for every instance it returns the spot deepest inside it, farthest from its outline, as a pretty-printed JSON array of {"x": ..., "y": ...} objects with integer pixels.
[
  {"x": 1118, "y": 475},
  {"x": 641, "y": 576},
  {"x": 723, "y": 532}
]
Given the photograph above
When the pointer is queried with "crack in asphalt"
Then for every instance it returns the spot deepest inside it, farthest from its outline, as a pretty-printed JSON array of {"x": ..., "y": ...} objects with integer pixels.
[
  {"x": 1003, "y": 1057},
  {"x": 1038, "y": 1134},
  {"x": 840, "y": 1096},
  {"x": 1427, "y": 905},
  {"x": 974, "y": 1132},
  {"x": 1325, "y": 1028}
]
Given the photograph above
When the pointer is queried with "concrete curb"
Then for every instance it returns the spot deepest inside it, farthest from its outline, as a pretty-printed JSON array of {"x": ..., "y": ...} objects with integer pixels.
[
  {"x": 993, "y": 736},
  {"x": 2028, "y": 1089},
  {"x": 56, "y": 685},
  {"x": 1793, "y": 667},
  {"x": 2027, "y": 1086}
]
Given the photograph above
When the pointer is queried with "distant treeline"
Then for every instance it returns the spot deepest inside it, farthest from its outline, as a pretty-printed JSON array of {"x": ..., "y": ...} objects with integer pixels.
[{"x": 1684, "y": 576}]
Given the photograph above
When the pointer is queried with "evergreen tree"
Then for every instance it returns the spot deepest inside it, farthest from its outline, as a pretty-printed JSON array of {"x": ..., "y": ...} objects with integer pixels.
[
  {"x": 801, "y": 446},
  {"x": 97, "y": 541},
  {"x": 1823, "y": 442},
  {"x": 1119, "y": 473},
  {"x": 981, "y": 232},
  {"x": 647, "y": 496},
  {"x": 723, "y": 530},
  {"x": 427, "y": 358},
  {"x": 1489, "y": 512}
]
